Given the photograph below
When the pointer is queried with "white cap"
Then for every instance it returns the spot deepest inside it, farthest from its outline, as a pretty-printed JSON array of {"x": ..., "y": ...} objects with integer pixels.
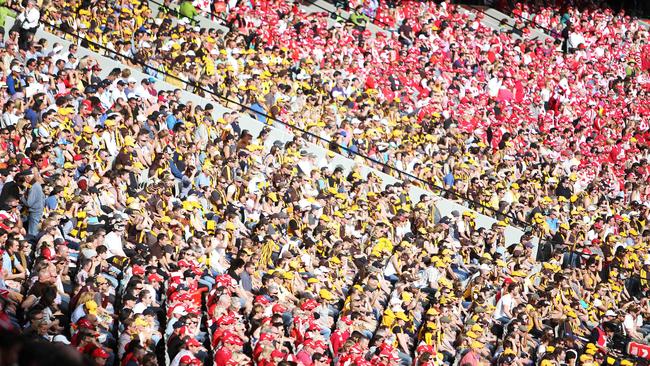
[
  {"x": 190, "y": 53},
  {"x": 57, "y": 48},
  {"x": 610, "y": 313},
  {"x": 60, "y": 338},
  {"x": 131, "y": 80},
  {"x": 184, "y": 21},
  {"x": 16, "y": 68},
  {"x": 180, "y": 310}
]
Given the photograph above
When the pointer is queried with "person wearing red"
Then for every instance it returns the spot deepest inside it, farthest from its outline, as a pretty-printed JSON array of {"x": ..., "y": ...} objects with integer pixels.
[
  {"x": 191, "y": 348},
  {"x": 100, "y": 356}
]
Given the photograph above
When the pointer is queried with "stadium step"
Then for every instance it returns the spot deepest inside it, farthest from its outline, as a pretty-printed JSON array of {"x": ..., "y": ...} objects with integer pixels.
[{"x": 282, "y": 133}]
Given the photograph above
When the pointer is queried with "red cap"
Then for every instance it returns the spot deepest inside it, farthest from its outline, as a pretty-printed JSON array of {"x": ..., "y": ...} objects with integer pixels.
[
  {"x": 47, "y": 253},
  {"x": 226, "y": 319},
  {"x": 261, "y": 299},
  {"x": 77, "y": 157},
  {"x": 155, "y": 277},
  {"x": 187, "y": 359},
  {"x": 85, "y": 323},
  {"x": 277, "y": 308},
  {"x": 312, "y": 343},
  {"x": 309, "y": 305},
  {"x": 27, "y": 162},
  {"x": 266, "y": 337},
  {"x": 362, "y": 362},
  {"x": 277, "y": 353},
  {"x": 425, "y": 348},
  {"x": 192, "y": 342},
  {"x": 183, "y": 263},
  {"x": 137, "y": 270},
  {"x": 100, "y": 353},
  {"x": 233, "y": 339}
]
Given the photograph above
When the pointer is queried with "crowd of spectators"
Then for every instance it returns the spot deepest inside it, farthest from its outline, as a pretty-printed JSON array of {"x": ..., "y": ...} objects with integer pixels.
[{"x": 142, "y": 229}]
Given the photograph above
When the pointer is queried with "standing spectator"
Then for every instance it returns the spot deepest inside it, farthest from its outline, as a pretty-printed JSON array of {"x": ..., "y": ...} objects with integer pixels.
[
  {"x": 359, "y": 19},
  {"x": 187, "y": 10},
  {"x": 29, "y": 22},
  {"x": 34, "y": 200},
  {"x": 4, "y": 13}
]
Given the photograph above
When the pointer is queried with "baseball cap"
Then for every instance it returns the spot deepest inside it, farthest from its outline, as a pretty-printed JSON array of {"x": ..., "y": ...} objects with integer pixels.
[
  {"x": 100, "y": 353},
  {"x": 193, "y": 342}
]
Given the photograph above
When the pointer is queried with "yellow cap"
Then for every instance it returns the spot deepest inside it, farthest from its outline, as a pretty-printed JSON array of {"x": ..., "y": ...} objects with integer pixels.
[
  {"x": 129, "y": 141},
  {"x": 401, "y": 315},
  {"x": 476, "y": 345},
  {"x": 326, "y": 294},
  {"x": 91, "y": 306},
  {"x": 141, "y": 322},
  {"x": 407, "y": 296}
]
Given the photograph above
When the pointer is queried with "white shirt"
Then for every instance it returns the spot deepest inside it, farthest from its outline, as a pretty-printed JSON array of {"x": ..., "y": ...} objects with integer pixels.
[
  {"x": 575, "y": 39},
  {"x": 113, "y": 243},
  {"x": 105, "y": 99},
  {"x": 493, "y": 86},
  {"x": 139, "y": 308},
  {"x": 117, "y": 94},
  {"x": 29, "y": 18},
  {"x": 632, "y": 323},
  {"x": 428, "y": 277},
  {"x": 9, "y": 119},
  {"x": 111, "y": 145},
  {"x": 78, "y": 313},
  {"x": 505, "y": 302}
]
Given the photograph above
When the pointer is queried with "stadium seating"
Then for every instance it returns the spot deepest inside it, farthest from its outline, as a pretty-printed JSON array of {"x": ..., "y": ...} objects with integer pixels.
[{"x": 183, "y": 227}]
